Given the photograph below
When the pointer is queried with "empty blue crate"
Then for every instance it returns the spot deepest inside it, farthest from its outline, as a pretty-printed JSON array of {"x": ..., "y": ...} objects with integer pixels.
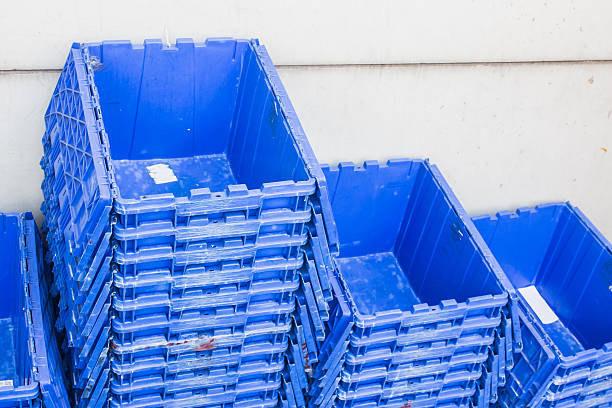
[
  {"x": 426, "y": 297},
  {"x": 31, "y": 372},
  {"x": 561, "y": 266},
  {"x": 128, "y": 134}
]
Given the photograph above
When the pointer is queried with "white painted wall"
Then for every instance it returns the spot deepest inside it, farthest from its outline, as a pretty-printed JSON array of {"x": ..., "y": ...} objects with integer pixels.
[
  {"x": 504, "y": 135},
  {"x": 36, "y": 34}
]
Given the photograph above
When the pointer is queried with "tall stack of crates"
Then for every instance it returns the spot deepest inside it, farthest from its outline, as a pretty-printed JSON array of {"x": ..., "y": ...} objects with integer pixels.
[
  {"x": 31, "y": 373},
  {"x": 429, "y": 319},
  {"x": 181, "y": 199},
  {"x": 561, "y": 266}
]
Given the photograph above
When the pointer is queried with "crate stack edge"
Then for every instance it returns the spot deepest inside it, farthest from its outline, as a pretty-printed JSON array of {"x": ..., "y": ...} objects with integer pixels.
[{"x": 37, "y": 376}]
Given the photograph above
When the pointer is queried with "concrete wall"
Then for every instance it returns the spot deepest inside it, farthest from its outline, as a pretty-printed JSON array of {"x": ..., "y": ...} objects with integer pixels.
[{"x": 513, "y": 100}]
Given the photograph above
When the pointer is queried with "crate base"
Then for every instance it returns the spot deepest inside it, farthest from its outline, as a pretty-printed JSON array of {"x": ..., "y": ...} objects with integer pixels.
[
  {"x": 137, "y": 178},
  {"x": 377, "y": 282}
]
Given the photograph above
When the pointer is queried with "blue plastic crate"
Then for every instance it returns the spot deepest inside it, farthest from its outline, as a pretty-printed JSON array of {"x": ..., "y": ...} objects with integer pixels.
[
  {"x": 31, "y": 372},
  {"x": 210, "y": 196},
  {"x": 402, "y": 232},
  {"x": 561, "y": 266},
  {"x": 107, "y": 147}
]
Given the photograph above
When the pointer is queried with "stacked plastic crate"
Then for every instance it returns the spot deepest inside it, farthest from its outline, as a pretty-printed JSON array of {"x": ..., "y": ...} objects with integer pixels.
[
  {"x": 429, "y": 322},
  {"x": 561, "y": 266},
  {"x": 180, "y": 197},
  {"x": 31, "y": 373}
]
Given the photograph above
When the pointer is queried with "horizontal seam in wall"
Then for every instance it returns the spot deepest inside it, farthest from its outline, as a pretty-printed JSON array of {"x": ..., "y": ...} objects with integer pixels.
[
  {"x": 368, "y": 65},
  {"x": 417, "y": 64}
]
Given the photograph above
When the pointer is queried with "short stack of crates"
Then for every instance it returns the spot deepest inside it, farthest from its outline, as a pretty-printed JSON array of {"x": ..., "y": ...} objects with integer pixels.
[
  {"x": 181, "y": 199},
  {"x": 562, "y": 269},
  {"x": 429, "y": 319},
  {"x": 31, "y": 373}
]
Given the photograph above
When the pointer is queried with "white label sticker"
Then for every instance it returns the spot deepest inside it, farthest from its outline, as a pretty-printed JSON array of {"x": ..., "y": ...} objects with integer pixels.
[
  {"x": 161, "y": 173},
  {"x": 538, "y": 304},
  {"x": 6, "y": 383}
]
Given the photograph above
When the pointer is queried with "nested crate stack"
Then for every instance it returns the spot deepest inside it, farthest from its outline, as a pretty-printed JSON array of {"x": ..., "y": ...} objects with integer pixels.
[
  {"x": 429, "y": 322},
  {"x": 203, "y": 258},
  {"x": 31, "y": 372},
  {"x": 180, "y": 197}
]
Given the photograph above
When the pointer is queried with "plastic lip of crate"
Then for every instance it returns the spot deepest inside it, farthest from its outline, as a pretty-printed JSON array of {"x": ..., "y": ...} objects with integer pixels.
[
  {"x": 30, "y": 365},
  {"x": 248, "y": 395},
  {"x": 193, "y": 341},
  {"x": 187, "y": 129},
  {"x": 448, "y": 396},
  {"x": 261, "y": 270},
  {"x": 402, "y": 233},
  {"x": 168, "y": 387},
  {"x": 563, "y": 267},
  {"x": 248, "y": 372},
  {"x": 207, "y": 358}
]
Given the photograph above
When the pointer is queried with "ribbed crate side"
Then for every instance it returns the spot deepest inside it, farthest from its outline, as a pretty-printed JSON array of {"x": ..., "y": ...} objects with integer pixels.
[
  {"x": 485, "y": 252},
  {"x": 47, "y": 360},
  {"x": 304, "y": 145},
  {"x": 73, "y": 172},
  {"x": 76, "y": 126},
  {"x": 19, "y": 369}
]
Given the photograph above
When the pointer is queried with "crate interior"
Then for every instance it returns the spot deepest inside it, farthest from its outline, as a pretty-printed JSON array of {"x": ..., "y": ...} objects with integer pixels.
[
  {"x": 15, "y": 364},
  {"x": 191, "y": 115},
  {"x": 562, "y": 270},
  {"x": 401, "y": 241}
]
